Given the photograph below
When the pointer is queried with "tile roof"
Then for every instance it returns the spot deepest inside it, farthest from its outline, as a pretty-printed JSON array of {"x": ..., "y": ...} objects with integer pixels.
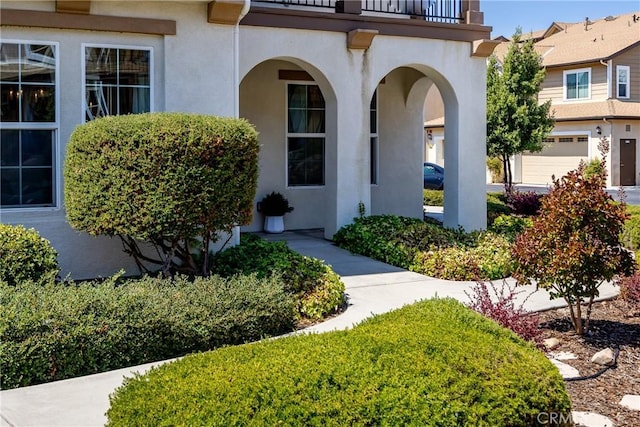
[{"x": 603, "y": 39}]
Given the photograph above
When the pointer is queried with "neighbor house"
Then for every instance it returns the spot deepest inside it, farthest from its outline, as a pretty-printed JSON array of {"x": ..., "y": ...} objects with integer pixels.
[
  {"x": 335, "y": 88},
  {"x": 593, "y": 82}
]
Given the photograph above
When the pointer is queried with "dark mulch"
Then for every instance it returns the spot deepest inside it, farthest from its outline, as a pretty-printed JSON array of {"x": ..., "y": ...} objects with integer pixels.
[{"x": 614, "y": 324}]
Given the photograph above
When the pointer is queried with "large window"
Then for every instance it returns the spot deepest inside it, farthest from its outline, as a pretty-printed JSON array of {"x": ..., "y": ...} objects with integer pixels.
[
  {"x": 622, "y": 72},
  {"x": 28, "y": 124},
  {"x": 305, "y": 135},
  {"x": 373, "y": 124},
  {"x": 577, "y": 84},
  {"x": 117, "y": 81}
]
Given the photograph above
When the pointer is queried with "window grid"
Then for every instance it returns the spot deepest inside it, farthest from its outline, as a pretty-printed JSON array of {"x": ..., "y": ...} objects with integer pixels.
[
  {"x": 622, "y": 80},
  {"x": 577, "y": 84},
  {"x": 29, "y": 80},
  {"x": 305, "y": 135}
]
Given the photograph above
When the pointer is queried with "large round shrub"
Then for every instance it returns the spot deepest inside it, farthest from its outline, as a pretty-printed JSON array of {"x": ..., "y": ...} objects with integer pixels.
[
  {"x": 25, "y": 256},
  {"x": 170, "y": 179},
  {"x": 436, "y": 363}
]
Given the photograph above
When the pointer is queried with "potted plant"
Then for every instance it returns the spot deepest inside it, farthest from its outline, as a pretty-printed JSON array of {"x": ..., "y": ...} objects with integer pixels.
[{"x": 273, "y": 206}]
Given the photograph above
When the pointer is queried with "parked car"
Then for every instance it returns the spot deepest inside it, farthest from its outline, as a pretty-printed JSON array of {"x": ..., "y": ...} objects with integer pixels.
[{"x": 433, "y": 176}]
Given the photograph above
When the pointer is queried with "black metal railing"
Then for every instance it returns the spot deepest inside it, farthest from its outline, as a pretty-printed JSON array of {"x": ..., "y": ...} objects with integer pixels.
[{"x": 448, "y": 11}]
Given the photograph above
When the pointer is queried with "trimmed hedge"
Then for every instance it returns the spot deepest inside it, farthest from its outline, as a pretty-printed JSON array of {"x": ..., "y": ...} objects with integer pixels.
[
  {"x": 496, "y": 203},
  {"x": 435, "y": 363},
  {"x": 59, "y": 331},
  {"x": 25, "y": 256},
  {"x": 319, "y": 291},
  {"x": 171, "y": 179}
]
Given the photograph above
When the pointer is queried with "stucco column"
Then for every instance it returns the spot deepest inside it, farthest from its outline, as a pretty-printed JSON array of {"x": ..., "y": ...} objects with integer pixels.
[
  {"x": 465, "y": 189},
  {"x": 347, "y": 150}
]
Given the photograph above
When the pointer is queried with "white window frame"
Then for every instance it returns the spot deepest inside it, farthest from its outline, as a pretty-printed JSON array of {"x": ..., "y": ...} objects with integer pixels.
[
  {"x": 565, "y": 88},
  {"x": 302, "y": 135},
  {"x": 374, "y": 144},
  {"x": 54, "y": 126},
  {"x": 83, "y": 58},
  {"x": 627, "y": 84}
]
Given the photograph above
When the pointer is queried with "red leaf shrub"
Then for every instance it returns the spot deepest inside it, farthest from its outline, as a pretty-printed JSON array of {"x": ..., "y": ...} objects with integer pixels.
[
  {"x": 503, "y": 310},
  {"x": 525, "y": 203},
  {"x": 630, "y": 289}
]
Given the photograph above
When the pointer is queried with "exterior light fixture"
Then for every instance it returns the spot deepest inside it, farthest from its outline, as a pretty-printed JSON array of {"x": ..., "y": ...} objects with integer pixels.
[{"x": 598, "y": 130}]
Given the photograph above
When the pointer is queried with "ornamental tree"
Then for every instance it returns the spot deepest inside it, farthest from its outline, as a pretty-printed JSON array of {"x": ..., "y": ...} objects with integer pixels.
[
  {"x": 516, "y": 122},
  {"x": 172, "y": 180},
  {"x": 574, "y": 245}
]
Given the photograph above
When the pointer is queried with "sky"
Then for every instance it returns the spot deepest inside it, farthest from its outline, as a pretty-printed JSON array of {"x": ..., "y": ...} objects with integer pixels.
[{"x": 505, "y": 15}]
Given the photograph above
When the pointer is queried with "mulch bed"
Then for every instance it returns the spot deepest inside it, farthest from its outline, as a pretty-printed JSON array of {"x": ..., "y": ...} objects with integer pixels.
[{"x": 614, "y": 324}]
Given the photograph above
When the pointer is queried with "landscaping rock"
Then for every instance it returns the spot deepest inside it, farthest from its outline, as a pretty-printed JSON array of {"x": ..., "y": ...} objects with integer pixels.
[
  {"x": 551, "y": 343},
  {"x": 631, "y": 401},
  {"x": 603, "y": 357},
  {"x": 590, "y": 419},
  {"x": 566, "y": 371},
  {"x": 563, "y": 355}
]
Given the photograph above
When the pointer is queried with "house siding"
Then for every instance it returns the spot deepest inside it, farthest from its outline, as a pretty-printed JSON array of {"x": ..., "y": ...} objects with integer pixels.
[
  {"x": 630, "y": 58},
  {"x": 553, "y": 86}
]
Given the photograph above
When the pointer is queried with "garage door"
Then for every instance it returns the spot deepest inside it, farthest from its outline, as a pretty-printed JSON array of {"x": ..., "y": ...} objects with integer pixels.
[{"x": 557, "y": 158}]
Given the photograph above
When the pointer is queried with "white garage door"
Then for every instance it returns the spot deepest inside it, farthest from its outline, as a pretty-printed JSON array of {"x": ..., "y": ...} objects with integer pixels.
[{"x": 557, "y": 158}]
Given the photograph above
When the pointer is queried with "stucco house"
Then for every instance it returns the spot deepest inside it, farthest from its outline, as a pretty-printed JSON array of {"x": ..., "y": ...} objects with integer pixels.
[
  {"x": 593, "y": 82},
  {"x": 335, "y": 88}
]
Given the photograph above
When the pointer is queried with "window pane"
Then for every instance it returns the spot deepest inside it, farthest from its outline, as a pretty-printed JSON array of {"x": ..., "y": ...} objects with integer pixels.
[
  {"x": 622, "y": 90},
  {"x": 315, "y": 121},
  {"x": 101, "y": 64},
  {"x": 9, "y": 148},
  {"x": 10, "y": 101},
  {"x": 134, "y": 100},
  {"x": 36, "y": 148},
  {"x": 305, "y": 161},
  {"x": 9, "y": 186},
  {"x": 374, "y": 160},
  {"x": 297, "y": 121},
  {"x": 134, "y": 67},
  {"x": 622, "y": 75},
  {"x": 297, "y": 96},
  {"x": 38, "y": 104},
  {"x": 38, "y": 64},
  {"x": 315, "y": 98},
  {"x": 571, "y": 86},
  {"x": 37, "y": 186},
  {"x": 9, "y": 63},
  {"x": 583, "y": 85}
]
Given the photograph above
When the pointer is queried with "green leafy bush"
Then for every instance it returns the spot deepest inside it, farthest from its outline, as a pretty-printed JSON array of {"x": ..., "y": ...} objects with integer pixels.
[
  {"x": 59, "y": 331},
  {"x": 630, "y": 236},
  {"x": 318, "y": 289},
  {"x": 489, "y": 259},
  {"x": 25, "y": 256},
  {"x": 494, "y": 164},
  {"x": 593, "y": 167},
  {"x": 170, "y": 179},
  {"x": 435, "y": 363},
  {"x": 496, "y": 206},
  {"x": 510, "y": 226},
  {"x": 433, "y": 197}
]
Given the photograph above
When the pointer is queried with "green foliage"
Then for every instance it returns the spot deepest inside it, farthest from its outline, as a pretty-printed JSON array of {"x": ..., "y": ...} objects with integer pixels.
[
  {"x": 494, "y": 164},
  {"x": 56, "y": 331},
  {"x": 433, "y": 197},
  {"x": 630, "y": 236},
  {"x": 319, "y": 291},
  {"x": 274, "y": 204},
  {"x": 488, "y": 259},
  {"x": 593, "y": 167},
  {"x": 574, "y": 245},
  {"x": 496, "y": 206},
  {"x": 510, "y": 226},
  {"x": 173, "y": 180},
  {"x": 25, "y": 256},
  {"x": 515, "y": 121},
  {"x": 408, "y": 367}
]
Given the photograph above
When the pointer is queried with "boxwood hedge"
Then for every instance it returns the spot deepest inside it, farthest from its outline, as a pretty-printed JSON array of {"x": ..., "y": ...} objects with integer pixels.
[
  {"x": 25, "y": 256},
  {"x": 59, "y": 331},
  {"x": 436, "y": 363}
]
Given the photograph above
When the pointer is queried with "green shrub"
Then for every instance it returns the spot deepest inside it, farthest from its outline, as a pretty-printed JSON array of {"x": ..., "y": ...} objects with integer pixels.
[
  {"x": 25, "y": 256},
  {"x": 630, "y": 236},
  {"x": 510, "y": 226},
  {"x": 433, "y": 197},
  {"x": 494, "y": 164},
  {"x": 435, "y": 363},
  {"x": 496, "y": 206},
  {"x": 593, "y": 167},
  {"x": 61, "y": 331},
  {"x": 318, "y": 289},
  {"x": 170, "y": 179},
  {"x": 489, "y": 259}
]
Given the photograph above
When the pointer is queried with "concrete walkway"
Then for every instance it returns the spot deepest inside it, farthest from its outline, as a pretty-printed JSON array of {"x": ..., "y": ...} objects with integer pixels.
[{"x": 373, "y": 287}]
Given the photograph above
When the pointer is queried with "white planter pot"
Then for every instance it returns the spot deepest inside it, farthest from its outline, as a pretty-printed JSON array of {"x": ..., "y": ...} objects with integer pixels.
[{"x": 274, "y": 224}]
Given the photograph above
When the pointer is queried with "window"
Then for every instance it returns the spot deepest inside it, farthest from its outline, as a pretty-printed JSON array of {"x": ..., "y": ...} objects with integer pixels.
[
  {"x": 565, "y": 139},
  {"x": 622, "y": 72},
  {"x": 577, "y": 84},
  {"x": 305, "y": 135},
  {"x": 583, "y": 139},
  {"x": 117, "y": 81},
  {"x": 373, "y": 124},
  {"x": 28, "y": 124},
  {"x": 549, "y": 140}
]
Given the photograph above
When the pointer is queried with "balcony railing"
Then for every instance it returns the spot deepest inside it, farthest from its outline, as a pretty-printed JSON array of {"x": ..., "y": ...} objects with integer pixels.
[{"x": 447, "y": 11}]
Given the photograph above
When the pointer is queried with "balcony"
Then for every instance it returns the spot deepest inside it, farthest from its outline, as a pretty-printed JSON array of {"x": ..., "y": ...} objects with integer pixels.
[{"x": 444, "y": 11}]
